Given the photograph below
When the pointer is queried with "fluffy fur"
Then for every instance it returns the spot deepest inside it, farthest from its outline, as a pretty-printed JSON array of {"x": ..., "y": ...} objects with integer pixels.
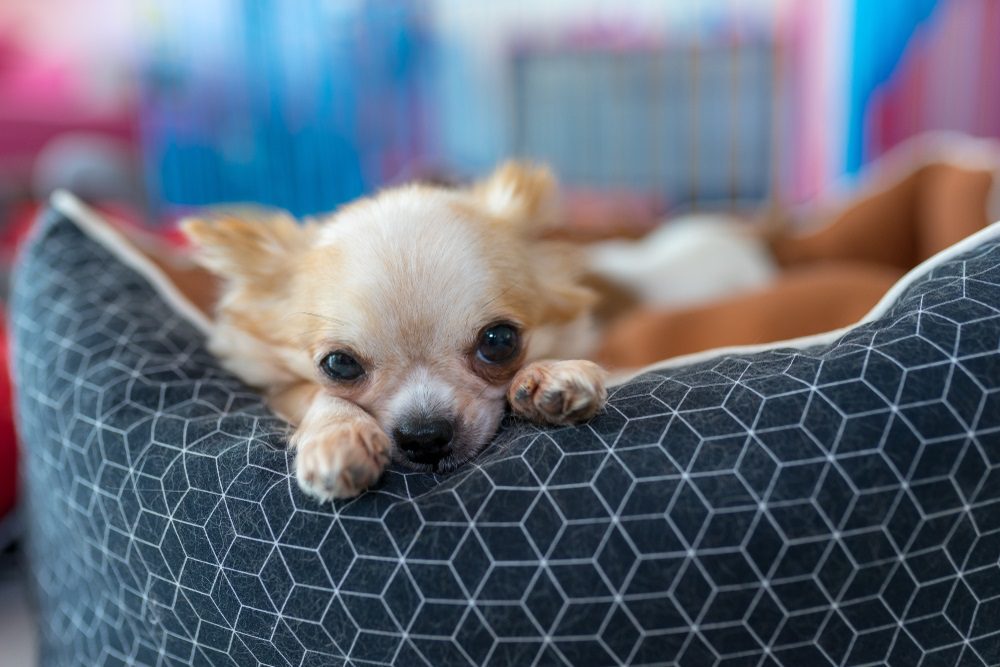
[{"x": 406, "y": 282}]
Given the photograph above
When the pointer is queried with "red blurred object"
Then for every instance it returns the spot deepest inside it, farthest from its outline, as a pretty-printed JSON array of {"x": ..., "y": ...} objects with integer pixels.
[
  {"x": 18, "y": 223},
  {"x": 8, "y": 436}
]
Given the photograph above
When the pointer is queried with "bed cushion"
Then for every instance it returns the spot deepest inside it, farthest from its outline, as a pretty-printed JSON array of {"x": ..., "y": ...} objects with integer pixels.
[{"x": 836, "y": 502}]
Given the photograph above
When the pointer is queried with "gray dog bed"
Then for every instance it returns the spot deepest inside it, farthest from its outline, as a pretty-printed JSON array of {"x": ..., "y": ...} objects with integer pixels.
[{"x": 835, "y": 502}]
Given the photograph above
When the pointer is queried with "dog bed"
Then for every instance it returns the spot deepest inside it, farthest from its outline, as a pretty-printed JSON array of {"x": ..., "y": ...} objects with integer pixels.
[{"x": 832, "y": 501}]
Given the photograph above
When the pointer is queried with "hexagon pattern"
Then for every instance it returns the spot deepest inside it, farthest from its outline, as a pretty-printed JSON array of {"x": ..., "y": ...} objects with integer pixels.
[{"x": 836, "y": 505}]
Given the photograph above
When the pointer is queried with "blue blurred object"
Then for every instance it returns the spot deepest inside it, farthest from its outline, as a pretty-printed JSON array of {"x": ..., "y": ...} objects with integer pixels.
[
  {"x": 882, "y": 30},
  {"x": 689, "y": 120},
  {"x": 301, "y": 105}
]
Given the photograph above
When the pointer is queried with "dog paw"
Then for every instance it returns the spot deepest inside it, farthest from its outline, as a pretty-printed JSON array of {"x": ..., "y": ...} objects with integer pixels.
[
  {"x": 341, "y": 459},
  {"x": 558, "y": 392}
]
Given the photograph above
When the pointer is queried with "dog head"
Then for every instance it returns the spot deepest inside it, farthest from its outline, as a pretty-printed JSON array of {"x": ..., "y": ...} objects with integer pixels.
[{"x": 418, "y": 305}]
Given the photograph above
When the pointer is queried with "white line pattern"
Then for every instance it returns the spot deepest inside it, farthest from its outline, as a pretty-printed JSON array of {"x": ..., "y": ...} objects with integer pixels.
[{"x": 833, "y": 505}]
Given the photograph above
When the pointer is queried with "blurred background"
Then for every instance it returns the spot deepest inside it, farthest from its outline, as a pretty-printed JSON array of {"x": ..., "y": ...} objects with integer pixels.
[
  {"x": 157, "y": 106},
  {"x": 167, "y": 104}
]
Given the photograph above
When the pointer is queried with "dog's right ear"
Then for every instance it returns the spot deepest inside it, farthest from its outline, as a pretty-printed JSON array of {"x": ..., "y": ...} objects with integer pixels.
[
  {"x": 520, "y": 194},
  {"x": 248, "y": 249}
]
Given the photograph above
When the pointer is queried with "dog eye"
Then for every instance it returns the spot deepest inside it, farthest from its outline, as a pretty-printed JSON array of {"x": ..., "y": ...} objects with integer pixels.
[
  {"x": 341, "y": 366},
  {"x": 498, "y": 344}
]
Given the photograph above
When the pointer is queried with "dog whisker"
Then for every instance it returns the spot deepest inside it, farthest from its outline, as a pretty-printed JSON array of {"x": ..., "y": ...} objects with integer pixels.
[
  {"x": 332, "y": 320},
  {"x": 303, "y": 334}
]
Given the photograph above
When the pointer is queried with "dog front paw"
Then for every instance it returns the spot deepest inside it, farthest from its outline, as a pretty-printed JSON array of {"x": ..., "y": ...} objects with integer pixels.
[
  {"x": 340, "y": 459},
  {"x": 558, "y": 392}
]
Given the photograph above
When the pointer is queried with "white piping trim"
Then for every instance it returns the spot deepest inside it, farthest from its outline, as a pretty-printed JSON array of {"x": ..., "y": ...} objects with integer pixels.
[
  {"x": 883, "y": 306},
  {"x": 93, "y": 224}
]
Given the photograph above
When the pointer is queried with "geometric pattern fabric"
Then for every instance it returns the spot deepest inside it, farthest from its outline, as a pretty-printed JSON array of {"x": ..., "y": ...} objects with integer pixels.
[{"x": 834, "y": 505}]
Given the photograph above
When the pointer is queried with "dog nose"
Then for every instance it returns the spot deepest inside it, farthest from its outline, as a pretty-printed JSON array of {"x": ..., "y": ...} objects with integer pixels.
[{"x": 424, "y": 440}]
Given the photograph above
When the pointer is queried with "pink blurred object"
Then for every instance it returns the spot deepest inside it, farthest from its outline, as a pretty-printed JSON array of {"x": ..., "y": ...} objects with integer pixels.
[
  {"x": 946, "y": 80},
  {"x": 593, "y": 214},
  {"x": 41, "y": 100}
]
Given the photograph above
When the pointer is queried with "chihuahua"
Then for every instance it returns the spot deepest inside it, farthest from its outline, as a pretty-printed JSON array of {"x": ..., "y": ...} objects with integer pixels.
[{"x": 400, "y": 327}]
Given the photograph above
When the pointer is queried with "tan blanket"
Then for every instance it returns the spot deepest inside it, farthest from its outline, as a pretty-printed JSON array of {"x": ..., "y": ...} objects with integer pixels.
[{"x": 836, "y": 263}]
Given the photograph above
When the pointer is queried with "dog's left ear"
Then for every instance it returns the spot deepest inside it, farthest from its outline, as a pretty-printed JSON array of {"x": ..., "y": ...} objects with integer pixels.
[
  {"x": 520, "y": 193},
  {"x": 247, "y": 249}
]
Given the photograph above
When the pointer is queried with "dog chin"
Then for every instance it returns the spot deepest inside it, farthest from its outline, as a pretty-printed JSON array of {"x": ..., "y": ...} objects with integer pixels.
[{"x": 446, "y": 465}]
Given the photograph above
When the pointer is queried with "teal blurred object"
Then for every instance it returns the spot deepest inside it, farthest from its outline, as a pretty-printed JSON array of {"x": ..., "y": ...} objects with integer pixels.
[
  {"x": 882, "y": 31},
  {"x": 301, "y": 105}
]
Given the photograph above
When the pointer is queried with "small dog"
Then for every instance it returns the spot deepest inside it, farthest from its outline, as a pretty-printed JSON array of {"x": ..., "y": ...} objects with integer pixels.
[{"x": 400, "y": 326}]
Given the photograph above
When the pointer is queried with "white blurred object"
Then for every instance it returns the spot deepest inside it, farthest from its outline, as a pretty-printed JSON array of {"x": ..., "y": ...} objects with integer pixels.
[
  {"x": 89, "y": 164},
  {"x": 18, "y": 624},
  {"x": 687, "y": 261}
]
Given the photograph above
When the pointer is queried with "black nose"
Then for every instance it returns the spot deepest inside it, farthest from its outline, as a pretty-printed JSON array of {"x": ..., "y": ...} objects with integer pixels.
[{"x": 424, "y": 440}]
